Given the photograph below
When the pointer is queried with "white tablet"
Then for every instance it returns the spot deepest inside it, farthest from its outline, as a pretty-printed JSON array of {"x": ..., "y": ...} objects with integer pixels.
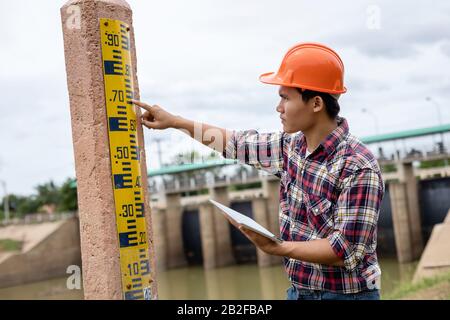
[{"x": 247, "y": 222}]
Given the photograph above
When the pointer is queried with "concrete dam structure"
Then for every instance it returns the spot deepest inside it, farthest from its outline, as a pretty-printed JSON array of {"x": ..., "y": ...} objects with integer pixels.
[
  {"x": 189, "y": 230},
  {"x": 47, "y": 250}
]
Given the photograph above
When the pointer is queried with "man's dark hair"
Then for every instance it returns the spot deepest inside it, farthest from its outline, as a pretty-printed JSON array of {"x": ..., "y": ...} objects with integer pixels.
[{"x": 331, "y": 104}]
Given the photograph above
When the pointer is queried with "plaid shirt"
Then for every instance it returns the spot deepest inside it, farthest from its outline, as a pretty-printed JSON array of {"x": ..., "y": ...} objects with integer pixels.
[{"x": 333, "y": 193}]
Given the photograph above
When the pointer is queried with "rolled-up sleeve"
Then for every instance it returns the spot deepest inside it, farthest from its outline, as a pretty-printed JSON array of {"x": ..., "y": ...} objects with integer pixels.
[
  {"x": 356, "y": 216},
  {"x": 267, "y": 151}
]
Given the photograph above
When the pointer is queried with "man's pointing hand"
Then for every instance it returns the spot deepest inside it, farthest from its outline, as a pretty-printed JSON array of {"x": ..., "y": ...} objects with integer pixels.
[{"x": 155, "y": 117}]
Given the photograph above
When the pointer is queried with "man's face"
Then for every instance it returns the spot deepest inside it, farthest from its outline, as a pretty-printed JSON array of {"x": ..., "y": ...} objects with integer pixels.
[{"x": 295, "y": 114}]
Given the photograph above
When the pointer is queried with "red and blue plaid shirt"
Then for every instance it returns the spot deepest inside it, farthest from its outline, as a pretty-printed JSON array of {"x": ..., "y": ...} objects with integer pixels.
[{"x": 333, "y": 193}]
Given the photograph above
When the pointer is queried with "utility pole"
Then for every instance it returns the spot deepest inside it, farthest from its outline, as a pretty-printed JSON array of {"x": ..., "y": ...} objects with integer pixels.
[
  {"x": 439, "y": 115},
  {"x": 158, "y": 146},
  {"x": 5, "y": 203},
  {"x": 377, "y": 128}
]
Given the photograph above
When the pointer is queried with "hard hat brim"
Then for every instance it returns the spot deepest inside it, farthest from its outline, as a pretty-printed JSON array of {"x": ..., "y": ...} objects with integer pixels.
[{"x": 272, "y": 78}]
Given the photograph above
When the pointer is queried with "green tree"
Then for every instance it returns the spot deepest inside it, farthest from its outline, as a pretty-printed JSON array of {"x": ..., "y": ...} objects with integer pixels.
[
  {"x": 48, "y": 193},
  {"x": 63, "y": 197},
  {"x": 186, "y": 157},
  {"x": 68, "y": 196},
  {"x": 20, "y": 205}
]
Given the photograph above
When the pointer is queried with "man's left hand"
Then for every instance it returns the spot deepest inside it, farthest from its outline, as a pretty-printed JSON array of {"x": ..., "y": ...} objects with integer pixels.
[{"x": 266, "y": 245}]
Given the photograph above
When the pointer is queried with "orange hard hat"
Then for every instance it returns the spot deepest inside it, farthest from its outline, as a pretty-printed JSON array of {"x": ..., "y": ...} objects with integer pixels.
[{"x": 310, "y": 66}]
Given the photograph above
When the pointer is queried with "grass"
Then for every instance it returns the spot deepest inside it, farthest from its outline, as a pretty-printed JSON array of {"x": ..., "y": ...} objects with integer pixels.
[
  {"x": 410, "y": 289},
  {"x": 251, "y": 185},
  {"x": 433, "y": 163},
  {"x": 194, "y": 193},
  {"x": 389, "y": 168},
  {"x": 10, "y": 245}
]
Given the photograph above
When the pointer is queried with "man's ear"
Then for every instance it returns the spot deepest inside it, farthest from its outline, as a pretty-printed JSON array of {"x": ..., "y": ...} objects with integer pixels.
[{"x": 317, "y": 104}]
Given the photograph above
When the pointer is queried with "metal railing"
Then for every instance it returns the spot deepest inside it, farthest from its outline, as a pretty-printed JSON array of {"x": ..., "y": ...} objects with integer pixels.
[
  {"x": 204, "y": 181},
  {"x": 34, "y": 218}
]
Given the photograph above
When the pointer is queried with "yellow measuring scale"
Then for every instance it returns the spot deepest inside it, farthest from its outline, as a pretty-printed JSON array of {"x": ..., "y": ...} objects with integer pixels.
[{"x": 125, "y": 160}]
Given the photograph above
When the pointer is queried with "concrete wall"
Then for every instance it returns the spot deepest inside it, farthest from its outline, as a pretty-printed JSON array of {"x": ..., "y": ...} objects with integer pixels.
[
  {"x": 47, "y": 258},
  {"x": 173, "y": 231},
  {"x": 160, "y": 240},
  {"x": 224, "y": 254},
  {"x": 207, "y": 232},
  {"x": 215, "y": 233},
  {"x": 259, "y": 208},
  {"x": 406, "y": 215},
  {"x": 404, "y": 205},
  {"x": 436, "y": 256},
  {"x": 271, "y": 191}
]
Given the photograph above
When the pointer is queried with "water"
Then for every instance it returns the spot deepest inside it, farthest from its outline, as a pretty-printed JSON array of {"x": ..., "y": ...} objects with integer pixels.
[{"x": 233, "y": 282}]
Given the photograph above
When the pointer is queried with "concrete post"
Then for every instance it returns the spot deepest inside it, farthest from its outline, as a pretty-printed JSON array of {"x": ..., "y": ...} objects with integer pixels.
[
  {"x": 215, "y": 231},
  {"x": 160, "y": 240},
  {"x": 259, "y": 209},
  {"x": 222, "y": 228},
  {"x": 407, "y": 176},
  {"x": 99, "y": 238},
  {"x": 174, "y": 231},
  {"x": 207, "y": 234},
  {"x": 271, "y": 191},
  {"x": 401, "y": 222}
]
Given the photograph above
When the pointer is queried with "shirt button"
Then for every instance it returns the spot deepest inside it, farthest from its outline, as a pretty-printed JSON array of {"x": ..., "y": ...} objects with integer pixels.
[{"x": 316, "y": 210}]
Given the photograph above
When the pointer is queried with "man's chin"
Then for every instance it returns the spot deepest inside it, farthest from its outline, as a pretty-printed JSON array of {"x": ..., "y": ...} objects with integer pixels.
[
  {"x": 287, "y": 129},
  {"x": 290, "y": 130}
]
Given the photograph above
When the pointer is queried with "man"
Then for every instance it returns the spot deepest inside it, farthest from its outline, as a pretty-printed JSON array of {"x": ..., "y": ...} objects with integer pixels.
[{"x": 331, "y": 186}]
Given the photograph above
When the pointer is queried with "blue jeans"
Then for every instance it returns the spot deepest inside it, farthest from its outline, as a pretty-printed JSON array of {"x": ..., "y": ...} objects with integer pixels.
[{"x": 304, "y": 294}]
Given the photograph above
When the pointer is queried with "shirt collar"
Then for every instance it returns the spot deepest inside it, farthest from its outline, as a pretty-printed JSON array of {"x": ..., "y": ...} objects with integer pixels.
[{"x": 330, "y": 143}]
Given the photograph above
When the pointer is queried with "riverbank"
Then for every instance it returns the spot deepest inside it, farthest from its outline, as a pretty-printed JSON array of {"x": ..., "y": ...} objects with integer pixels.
[
  {"x": 35, "y": 252},
  {"x": 434, "y": 288},
  {"x": 237, "y": 282}
]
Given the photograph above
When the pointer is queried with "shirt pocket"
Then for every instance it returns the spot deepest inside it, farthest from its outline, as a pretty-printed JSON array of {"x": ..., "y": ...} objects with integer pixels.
[{"x": 320, "y": 214}]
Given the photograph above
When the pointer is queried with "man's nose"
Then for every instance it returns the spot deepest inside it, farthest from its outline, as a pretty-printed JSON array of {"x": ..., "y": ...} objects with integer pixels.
[{"x": 280, "y": 108}]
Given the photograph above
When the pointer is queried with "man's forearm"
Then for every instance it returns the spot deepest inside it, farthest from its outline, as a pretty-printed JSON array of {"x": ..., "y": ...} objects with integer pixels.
[
  {"x": 211, "y": 136},
  {"x": 314, "y": 251}
]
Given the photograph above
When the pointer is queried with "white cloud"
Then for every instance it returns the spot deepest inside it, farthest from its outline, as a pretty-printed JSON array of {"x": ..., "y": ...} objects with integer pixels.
[{"x": 201, "y": 59}]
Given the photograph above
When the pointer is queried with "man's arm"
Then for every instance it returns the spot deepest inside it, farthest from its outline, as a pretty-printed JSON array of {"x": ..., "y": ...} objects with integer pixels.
[
  {"x": 267, "y": 151},
  {"x": 211, "y": 136},
  {"x": 156, "y": 117},
  {"x": 314, "y": 251},
  {"x": 355, "y": 219}
]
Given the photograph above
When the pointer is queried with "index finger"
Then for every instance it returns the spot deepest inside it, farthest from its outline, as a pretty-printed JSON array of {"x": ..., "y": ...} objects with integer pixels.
[{"x": 141, "y": 104}]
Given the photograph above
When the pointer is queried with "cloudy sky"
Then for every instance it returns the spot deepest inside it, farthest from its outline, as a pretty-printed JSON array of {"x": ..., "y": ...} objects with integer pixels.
[{"x": 202, "y": 59}]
